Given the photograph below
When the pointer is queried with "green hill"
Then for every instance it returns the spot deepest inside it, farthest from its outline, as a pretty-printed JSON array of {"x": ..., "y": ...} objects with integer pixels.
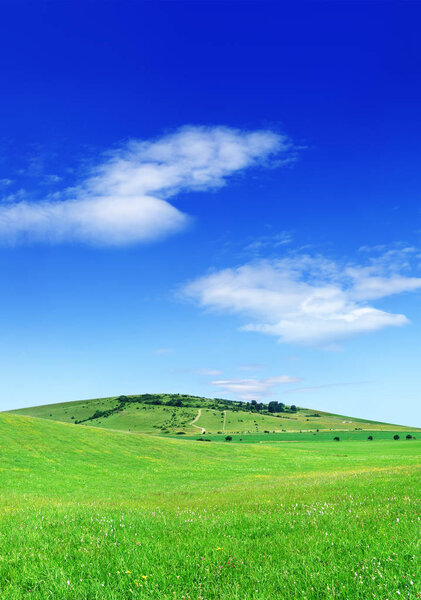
[
  {"x": 175, "y": 414},
  {"x": 89, "y": 513}
]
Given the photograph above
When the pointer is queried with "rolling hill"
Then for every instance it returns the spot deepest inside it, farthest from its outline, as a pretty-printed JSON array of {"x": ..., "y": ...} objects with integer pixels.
[{"x": 190, "y": 416}]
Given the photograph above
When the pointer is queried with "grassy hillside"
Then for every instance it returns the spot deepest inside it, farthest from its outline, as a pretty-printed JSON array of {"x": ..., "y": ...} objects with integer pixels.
[
  {"x": 173, "y": 413},
  {"x": 88, "y": 513}
]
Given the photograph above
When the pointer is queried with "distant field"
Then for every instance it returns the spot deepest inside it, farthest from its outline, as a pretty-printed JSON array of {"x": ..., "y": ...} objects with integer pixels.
[
  {"x": 153, "y": 414},
  {"x": 322, "y": 436},
  {"x": 304, "y": 420}
]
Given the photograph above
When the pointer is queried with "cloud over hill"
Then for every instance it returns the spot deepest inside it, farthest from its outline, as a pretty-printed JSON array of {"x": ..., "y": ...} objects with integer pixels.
[{"x": 306, "y": 299}]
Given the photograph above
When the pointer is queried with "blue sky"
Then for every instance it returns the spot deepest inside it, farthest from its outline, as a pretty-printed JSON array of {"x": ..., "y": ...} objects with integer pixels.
[{"x": 212, "y": 198}]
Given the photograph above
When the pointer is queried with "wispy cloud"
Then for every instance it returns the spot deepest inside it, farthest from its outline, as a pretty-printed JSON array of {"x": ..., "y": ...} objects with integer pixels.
[
  {"x": 269, "y": 242},
  {"x": 252, "y": 389},
  {"x": 306, "y": 299},
  {"x": 124, "y": 199}
]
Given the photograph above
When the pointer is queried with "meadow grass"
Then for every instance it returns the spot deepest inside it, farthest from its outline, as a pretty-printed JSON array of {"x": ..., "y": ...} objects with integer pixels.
[
  {"x": 149, "y": 419},
  {"x": 89, "y": 513},
  {"x": 306, "y": 436},
  {"x": 304, "y": 420},
  {"x": 143, "y": 417},
  {"x": 136, "y": 417}
]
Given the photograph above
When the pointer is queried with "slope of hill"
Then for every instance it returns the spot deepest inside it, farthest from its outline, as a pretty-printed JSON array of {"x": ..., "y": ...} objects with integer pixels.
[
  {"x": 192, "y": 415},
  {"x": 94, "y": 513}
]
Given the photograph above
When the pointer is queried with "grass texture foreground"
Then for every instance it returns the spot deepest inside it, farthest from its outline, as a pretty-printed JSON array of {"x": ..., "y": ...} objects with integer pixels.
[{"x": 89, "y": 513}]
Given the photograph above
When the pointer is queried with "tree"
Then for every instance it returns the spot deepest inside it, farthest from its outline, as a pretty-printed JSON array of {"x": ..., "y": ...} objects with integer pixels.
[
  {"x": 275, "y": 407},
  {"x": 228, "y": 438},
  {"x": 370, "y": 437},
  {"x": 293, "y": 408},
  {"x": 409, "y": 436},
  {"x": 174, "y": 402},
  {"x": 396, "y": 437},
  {"x": 336, "y": 438}
]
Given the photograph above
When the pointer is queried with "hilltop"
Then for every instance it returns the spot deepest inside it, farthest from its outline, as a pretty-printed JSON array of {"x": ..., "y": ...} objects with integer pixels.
[{"x": 185, "y": 415}]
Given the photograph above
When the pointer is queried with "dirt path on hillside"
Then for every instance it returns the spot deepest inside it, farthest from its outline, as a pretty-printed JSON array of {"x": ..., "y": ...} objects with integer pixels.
[{"x": 197, "y": 417}]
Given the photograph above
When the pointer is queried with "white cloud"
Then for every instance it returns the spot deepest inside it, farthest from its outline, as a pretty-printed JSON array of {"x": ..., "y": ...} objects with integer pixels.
[
  {"x": 124, "y": 199},
  {"x": 252, "y": 389},
  {"x": 305, "y": 299}
]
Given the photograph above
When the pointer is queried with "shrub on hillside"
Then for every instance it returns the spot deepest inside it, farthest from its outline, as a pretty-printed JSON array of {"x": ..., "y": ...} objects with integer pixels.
[{"x": 122, "y": 399}]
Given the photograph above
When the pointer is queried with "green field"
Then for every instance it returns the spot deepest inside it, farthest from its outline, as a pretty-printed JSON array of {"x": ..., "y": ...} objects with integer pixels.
[
  {"x": 91, "y": 513},
  {"x": 303, "y": 420},
  {"x": 158, "y": 414},
  {"x": 305, "y": 436}
]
